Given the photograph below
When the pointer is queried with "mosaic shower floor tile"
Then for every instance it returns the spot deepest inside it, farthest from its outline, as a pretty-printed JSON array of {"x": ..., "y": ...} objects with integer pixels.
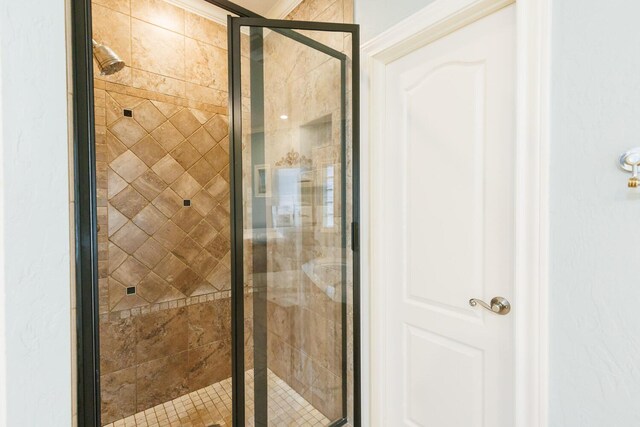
[{"x": 211, "y": 406}]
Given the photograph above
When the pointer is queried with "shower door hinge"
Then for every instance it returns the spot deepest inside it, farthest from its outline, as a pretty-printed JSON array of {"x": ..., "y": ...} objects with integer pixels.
[{"x": 355, "y": 236}]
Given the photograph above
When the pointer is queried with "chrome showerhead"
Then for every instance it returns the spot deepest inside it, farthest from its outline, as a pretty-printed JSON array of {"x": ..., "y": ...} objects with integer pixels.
[{"x": 108, "y": 61}]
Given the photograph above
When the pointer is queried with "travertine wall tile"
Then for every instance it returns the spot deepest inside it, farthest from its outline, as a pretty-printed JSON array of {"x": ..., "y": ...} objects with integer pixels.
[
  {"x": 161, "y": 380},
  {"x": 202, "y": 29},
  {"x": 159, "y": 13},
  {"x": 152, "y": 81},
  {"x": 157, "y": 50},
  {"x": 123, "y": 6},
  {"x": 206, "y": 64},
  {"x": 118, "y": 394}
]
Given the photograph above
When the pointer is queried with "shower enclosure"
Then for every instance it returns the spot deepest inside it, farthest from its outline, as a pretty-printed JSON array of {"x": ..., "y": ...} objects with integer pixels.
[
  {"x": 292, "y": 219},
  {"x": 293, "y": 213}
]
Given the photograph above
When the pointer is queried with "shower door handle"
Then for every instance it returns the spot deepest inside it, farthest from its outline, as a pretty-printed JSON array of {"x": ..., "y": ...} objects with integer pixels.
[{"x": 499, "y": 305}]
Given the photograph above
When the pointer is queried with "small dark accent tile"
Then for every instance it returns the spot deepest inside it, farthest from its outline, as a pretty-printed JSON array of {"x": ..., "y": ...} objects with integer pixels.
[
  {"x": 187, "y": 203},
  {"x": 131, "y": 290},
  {"x": 128, "y": 113}
]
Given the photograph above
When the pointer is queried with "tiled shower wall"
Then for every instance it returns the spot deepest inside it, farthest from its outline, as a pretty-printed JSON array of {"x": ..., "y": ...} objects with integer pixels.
[{"x": 163, "y": 185}]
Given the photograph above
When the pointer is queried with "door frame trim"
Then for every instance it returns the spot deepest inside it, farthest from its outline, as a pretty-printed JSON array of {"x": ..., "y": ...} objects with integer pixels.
[{"x": 435, "y": 21}]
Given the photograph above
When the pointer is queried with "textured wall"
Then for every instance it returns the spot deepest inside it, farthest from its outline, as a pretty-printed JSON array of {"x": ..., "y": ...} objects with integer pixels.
[
  {"x": 376, "y": 16},
  {"x": 595, "y": 327},
  {"x": 35, "y": 241}
]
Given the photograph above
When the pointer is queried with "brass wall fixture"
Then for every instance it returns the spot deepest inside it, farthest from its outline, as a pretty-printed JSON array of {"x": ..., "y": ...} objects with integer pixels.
[{"x": 629, "y": 161}]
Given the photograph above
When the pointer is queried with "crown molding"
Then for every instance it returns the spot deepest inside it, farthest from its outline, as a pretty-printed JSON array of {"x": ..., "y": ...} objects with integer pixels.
[
  {"x": 202, "y": 8},
  {"x": 279, "y": 10},
  {"x": 282, "y": 8}
]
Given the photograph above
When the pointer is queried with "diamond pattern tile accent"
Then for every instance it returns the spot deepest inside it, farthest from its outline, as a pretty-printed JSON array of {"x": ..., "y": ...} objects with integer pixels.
[
  {"x": 116, "y": 292},
  {"x": 171, "y": 295},
  {"x": 166, "y": 108},
  {"x": 148, "y": 116},
  {"x": 185, "y": 154},
  {"x": 153, "y": 287},
  {"x": 218, "y": 158},
  {"x": 116, "y": 257},
  {"x": 202, "y": 141},
  {"x": 148, "y": 150},
  {"x": 187, "y": 281},
  {"x": 113, "y": 110},
  {"x": 202, "y": 172},
  {"x": 203, "y": 202},
  {"x": 162, "y": 155},
  {"x": 218, "y": 188},
  {"x": 167, "y": 135},
  {"x": 168, "y": 202},
  {"x": 150, "y": 253},
  {"x": 168, "y": 169},
  {"x": 218, "y": 218},
  {"x": 185, "y": 122},
  {"x": 187, "y": 250},
  {"x": 203, "y": 263},
  {"x": 169, "y": 235},
  {"x": 114, "y": 147},
  {"x": 203, "y": 233},
  {"x": 219, "y": 246},
  {"x": 130, "y": 301},
  {"x": 129, "y": 238},
  {"x": 128, "y": 131},
  {"x": 128, "y": 166},
  {"x": 186, "y": 186},
  {"x": 219, "y": 277},
  {"x": 170, "y": 268},
  {"x": 187, "y": 218},
  {"x": 149, "y": 184},
  {"x": 129, "y": 202},
  {"x": 131, "y": 272},
  {"x": 149, "y": 219},
  {"x": 202, "y": 116},
  {"x": 115, "y": 183},
  {"x": 115, "y": 219},
  {"x": 126, "y": 101},
  {"x": 224, "y": 144},
  {"x": 224, "y": 173},
  {"x": 218, "y": 127}
]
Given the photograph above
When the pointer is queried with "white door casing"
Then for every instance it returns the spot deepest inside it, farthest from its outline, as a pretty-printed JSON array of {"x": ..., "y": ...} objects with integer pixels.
[{"x": 452, "y": 221}]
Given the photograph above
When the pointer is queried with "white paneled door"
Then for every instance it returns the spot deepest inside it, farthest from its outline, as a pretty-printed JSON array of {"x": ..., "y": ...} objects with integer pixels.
[{"x": 450, "y": 121}]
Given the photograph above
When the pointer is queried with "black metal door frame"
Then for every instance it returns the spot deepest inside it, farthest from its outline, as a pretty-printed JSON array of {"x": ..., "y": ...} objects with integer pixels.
[{"x": 85, "y": 215}]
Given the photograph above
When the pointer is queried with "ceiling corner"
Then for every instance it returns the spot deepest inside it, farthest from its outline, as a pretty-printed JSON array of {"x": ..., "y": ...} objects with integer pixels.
[{"x": 282, "y": 8}]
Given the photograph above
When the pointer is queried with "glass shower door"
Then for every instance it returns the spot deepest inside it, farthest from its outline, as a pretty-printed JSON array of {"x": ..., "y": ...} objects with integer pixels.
[{"x": 295, "y": 217}]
